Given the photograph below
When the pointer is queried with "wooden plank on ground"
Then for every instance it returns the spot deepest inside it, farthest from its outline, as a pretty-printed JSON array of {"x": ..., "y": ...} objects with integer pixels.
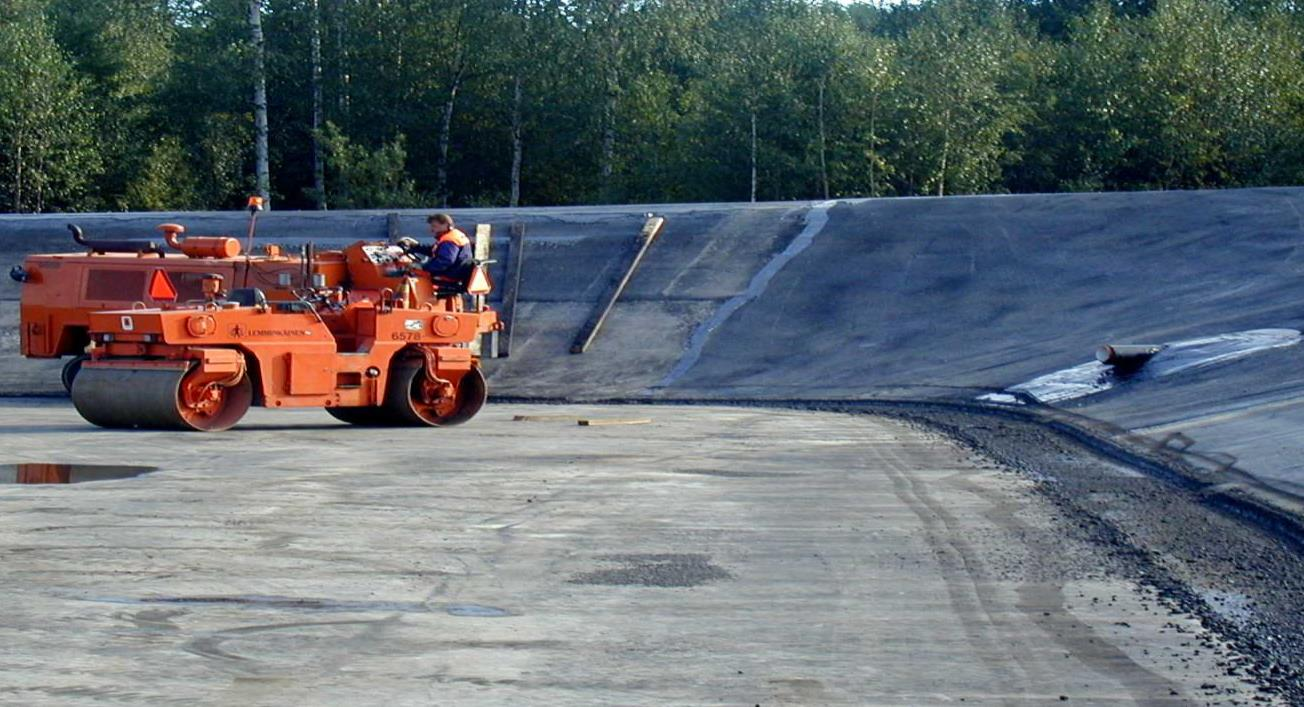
[
  {"x": 544, "y": 418},
  {"x": 651, "y": 229},
  {"x": 512, "y": 288}
]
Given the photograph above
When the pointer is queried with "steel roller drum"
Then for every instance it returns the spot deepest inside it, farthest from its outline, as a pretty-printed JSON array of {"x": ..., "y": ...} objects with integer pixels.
[
  {"x": 150, "y": 398},
  {"x": 401, "y": 398}
]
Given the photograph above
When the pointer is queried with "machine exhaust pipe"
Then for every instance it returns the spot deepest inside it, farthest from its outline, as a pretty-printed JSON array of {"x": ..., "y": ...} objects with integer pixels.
[
  {"x": 1126, "y": 357},
  {"x": 199, "y": 247},
  {"x": 138, "y": 247}
]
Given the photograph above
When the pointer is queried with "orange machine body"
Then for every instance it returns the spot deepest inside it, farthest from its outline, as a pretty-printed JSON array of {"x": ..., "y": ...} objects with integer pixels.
[
  {"x": 61, "y": 291},
  {"x": 357, "y": 331},
  {"x": 299, "y": 359}
]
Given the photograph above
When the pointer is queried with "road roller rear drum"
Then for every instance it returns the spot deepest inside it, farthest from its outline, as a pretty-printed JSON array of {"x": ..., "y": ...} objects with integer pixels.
[{"x": 415, "y": 399}]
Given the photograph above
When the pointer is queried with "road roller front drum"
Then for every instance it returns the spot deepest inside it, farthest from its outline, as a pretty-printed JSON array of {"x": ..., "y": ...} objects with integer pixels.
[{"x": 159, "y": 396}]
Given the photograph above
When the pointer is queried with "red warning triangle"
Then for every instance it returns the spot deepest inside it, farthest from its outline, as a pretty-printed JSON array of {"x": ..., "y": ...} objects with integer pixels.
[
  {"x": 479, "y": 283},
  {"x": 160, "y": 286}
]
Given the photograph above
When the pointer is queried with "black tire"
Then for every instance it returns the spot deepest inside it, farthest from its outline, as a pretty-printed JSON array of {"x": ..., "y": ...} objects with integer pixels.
[
  {"x": 374, "y": 416},
  {"x": 70, "y": 371}
]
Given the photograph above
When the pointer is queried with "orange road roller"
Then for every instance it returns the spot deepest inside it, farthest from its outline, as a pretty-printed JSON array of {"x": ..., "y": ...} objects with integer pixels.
[
  {"x": 61, "y": 290},
  {"x": 357, "y": 331}
]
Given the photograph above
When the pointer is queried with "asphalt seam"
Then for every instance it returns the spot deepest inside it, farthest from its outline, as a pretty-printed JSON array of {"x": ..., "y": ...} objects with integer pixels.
[{"x": 817, "y": 217}]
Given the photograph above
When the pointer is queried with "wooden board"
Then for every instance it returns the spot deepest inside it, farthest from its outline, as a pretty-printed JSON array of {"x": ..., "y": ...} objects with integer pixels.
[
  {"x": 651, "y": 229},
  {"x": 483, "y": 239},
  {"x": 512, "y": 288},
  {"x": 604, "y": 422},
  {"x": 544, "y": 418}
]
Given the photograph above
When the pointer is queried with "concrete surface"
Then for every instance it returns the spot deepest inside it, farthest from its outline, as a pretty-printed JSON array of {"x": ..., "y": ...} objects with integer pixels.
[{"x": 714, "y": 556}]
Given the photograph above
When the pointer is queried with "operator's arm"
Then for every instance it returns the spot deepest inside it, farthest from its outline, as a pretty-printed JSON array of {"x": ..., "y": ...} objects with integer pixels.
[
  {"x": 420, "y": 249},
  {"x": 443, "y": 259}
]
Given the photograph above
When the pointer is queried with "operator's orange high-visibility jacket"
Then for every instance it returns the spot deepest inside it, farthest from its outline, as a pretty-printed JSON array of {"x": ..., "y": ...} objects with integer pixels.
[
  {"x": 451, "y": 255},
  {"x": 455, "y": 236}
]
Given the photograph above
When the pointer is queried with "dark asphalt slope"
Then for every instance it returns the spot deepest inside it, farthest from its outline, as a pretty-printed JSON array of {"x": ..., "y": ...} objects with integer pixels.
[
  {"x": 925, "y": 298},
  {"x": 988, "y": 292}
]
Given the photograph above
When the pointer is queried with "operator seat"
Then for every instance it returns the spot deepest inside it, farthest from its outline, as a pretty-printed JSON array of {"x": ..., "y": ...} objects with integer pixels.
[
  {"x": 248, "y": 297},
  {"x": 454, "y": 283}
]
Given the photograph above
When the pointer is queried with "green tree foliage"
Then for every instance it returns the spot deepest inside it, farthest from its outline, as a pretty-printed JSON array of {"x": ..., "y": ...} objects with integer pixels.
[
  {"x": 166, "y": 180},
  {"x": 1212, "y": 87},
  {"x": 47, "y": 156},
  {"x": 963, "y": 97},
  {"x": 363, "y": 178},
  {"x": 148, "y": 104},
  {"x": 123, "y": 51},
  {"x": 1087, "y": 107}
]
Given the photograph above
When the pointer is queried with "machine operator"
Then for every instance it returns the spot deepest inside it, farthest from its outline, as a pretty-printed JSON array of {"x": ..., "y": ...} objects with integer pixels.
[{"x": 451, "y": 256}]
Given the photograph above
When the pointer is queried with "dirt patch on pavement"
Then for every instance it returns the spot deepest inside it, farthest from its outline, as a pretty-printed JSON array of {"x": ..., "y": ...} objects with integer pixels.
[
  {"x": 1244, "y": 580},
  {"x": 661, "y": 570}
]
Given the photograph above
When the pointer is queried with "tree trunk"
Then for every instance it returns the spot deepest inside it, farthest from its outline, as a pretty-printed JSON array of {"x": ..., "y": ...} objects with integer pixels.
[
  {"x": 39, "y": 186},
  {"x": 262, "y": 172},
  {"x": 609, "y": 131},
  {"x": 318, "y": 161},
  {"x": 445, "y": 135},
  {"x": 18, "y": 173},
  {"x": 611, "y": 99},
  {"x": 342, "y": 63},
  {"x": 753, "y": 193},
  {"x": 824, "y": 165},
  {"x": 517, "y": 143},
  {"x": 873, "y": 143},
  {"x": 946, "y": 148}
]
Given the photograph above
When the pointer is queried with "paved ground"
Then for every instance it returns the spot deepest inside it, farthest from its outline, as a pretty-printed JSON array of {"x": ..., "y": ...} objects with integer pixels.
[{"x": 716, "y": 555}]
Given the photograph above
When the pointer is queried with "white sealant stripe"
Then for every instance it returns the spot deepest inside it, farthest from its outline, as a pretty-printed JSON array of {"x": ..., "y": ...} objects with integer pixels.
[
  {"x": 1177, "y": 357},
  {"x": 816, "y": 219}
]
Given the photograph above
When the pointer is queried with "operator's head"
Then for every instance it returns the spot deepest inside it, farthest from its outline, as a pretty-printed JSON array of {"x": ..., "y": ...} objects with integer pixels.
[{"x": 440, "y": 224}]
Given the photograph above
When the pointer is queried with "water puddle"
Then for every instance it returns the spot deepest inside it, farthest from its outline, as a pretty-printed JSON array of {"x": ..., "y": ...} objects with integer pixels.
[
  {"x": 271, "y": 602},
  {"x": 35, "y": 473},
  {"x": 476, "y": 611},
  {"x": 310, "y": 604},
  {"x": 1177, "y": 357}
]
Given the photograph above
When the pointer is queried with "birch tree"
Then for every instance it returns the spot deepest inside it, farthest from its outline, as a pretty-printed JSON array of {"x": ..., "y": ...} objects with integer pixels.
[
  {"x": 318, "y": 120},
  {"x": 262, "y": 170}
]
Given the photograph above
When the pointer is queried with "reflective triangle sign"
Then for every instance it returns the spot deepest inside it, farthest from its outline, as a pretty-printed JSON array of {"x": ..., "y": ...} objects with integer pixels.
[
  {"x": 160, "y": 286},
  {"x": 479, "y": 283}
]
